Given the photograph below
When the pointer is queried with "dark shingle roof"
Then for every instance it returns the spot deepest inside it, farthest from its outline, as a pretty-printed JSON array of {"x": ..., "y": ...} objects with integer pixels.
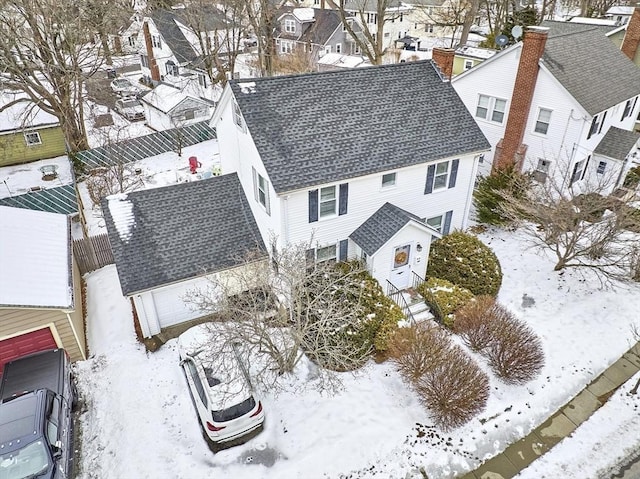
[
  {"x": 166, "y": 21},
  {"x": 617, "y": 143},
  {"x": 181, "y": 231},
  {"x": 592, "y": 69},
  {"x": 324, "y": 127},
  {"x": 381, "y": 226},
  {"x": 319, "y": 32}
]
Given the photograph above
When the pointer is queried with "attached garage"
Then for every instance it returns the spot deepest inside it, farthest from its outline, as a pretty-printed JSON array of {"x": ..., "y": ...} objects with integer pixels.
[
  {"x": 27, "y": 343},
  {"x": 164, "y": 248},
  {"x": 40, "y": 288}
]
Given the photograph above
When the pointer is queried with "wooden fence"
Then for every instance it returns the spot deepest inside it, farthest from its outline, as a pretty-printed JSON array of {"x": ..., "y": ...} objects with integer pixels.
[{"x": 92, "y": 253}]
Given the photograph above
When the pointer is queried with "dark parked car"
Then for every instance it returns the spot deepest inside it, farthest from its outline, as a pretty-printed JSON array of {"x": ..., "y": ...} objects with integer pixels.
[{"x": 37, "y": 395}]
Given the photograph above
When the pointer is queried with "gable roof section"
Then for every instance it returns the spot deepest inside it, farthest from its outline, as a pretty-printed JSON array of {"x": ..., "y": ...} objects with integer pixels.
[
  {"x": 166, "y": 98},
  {"x": 592, "y": 69},
  {"x": 167, "y": 24},
  {"x": 320, "y": 31},
  {"x": 165, "y": 235},
  {"x": 381, "y": 226},
  {"x": 617, "y": 143},
  {"x": 326, "y": 127},
  {"x": 35, "y": 254}
]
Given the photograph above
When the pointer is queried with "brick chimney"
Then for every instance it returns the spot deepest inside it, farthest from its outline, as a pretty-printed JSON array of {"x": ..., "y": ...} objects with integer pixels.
[
  {"x": 632, "y": 36},
  {"x": 510, "y": 150},
  {"x": 153, "y": 64},
  {"x": 443, "y": 58}
]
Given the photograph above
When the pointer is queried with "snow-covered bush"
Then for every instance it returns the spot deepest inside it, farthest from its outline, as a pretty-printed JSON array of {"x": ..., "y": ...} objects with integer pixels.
[
  {"x": 465, "y": 261},
  {"x": 444, "y": 298}
]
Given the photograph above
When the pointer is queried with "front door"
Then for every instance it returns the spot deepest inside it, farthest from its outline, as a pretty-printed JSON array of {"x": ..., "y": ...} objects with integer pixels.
[{"x": 401, "y": 271}]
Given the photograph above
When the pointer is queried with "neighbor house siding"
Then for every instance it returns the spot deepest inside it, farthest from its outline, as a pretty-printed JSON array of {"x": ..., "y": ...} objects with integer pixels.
[
  {"x": 77, "y": 316},
  {"x": 14, "y": 150},
  {"x": 16, "y": 321}
]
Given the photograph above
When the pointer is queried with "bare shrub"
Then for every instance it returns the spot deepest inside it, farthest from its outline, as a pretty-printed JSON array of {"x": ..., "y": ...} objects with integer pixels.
[
  {"x": 473, "y": 322},
  {"x": 515, "y": 353},
  {"x": 454, "y": 390},
  {"x": 417, "y": 350}
]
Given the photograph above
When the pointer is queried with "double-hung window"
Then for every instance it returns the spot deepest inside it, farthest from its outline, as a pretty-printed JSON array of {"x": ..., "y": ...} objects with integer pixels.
[
  {"x": 155, "y": 41},
  {"x": 290, "y": 26},
  {"x": 435, "y": 223},
  {"x": 602, "y": 165},
  {"x": 629, "y": 107},
  {"x": 542, "y": 170},
  {"x": 328, "y": 201},
  {"x": 327, "y": 253},
  {"x": 542, "y": 123},
  {"x": 491, "y": 109},
  {"x": 261, "y": 190},
  {"x": 237, "y": 116},
  {"x": 579, "y": 170},
  {"x": 441, "y": 176}
]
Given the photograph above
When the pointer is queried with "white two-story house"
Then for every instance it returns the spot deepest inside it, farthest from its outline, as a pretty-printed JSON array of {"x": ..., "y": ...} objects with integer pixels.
[
  {"x": 563, "y": 101},
  {"x": 373, "y": 173}
]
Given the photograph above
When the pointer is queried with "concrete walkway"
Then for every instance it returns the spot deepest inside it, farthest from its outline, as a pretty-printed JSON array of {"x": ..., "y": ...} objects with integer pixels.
[{"x": 522, "y": 453}]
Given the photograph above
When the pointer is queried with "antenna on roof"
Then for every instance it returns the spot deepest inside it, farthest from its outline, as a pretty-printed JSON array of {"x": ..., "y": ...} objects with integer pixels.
[
  {"x": 502, "y": 40},
  {"x": 516, "y": 32}
]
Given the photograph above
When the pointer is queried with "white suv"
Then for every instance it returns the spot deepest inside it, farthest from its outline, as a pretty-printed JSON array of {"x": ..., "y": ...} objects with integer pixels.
[{"x": 220, "y": 387}]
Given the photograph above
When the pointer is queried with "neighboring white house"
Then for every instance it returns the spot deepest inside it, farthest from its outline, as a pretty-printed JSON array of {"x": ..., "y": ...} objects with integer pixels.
[
  {"x": 319, "y": 168},
  {"x": 552, "y": 101},
  {"x": 620, "y": 14},
  {"x": 167, "y": 107}
]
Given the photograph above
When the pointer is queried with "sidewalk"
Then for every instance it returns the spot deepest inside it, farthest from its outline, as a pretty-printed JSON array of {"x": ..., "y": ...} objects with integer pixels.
[{"x": 561, "y": 424}]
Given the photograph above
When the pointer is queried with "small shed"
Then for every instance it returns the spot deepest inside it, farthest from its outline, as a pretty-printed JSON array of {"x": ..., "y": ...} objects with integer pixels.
[
  {"x": 40, "y": 288},
  {"x": 166, "y": 107}
]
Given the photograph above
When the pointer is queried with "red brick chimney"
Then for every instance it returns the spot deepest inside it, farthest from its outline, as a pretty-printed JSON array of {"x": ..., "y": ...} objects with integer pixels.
[
  {"x": 510, "y": 150},
  {"x": 632, "y": 37},
  {"x": 443, "y": 58},
  {"x": 153, "y": 64}
]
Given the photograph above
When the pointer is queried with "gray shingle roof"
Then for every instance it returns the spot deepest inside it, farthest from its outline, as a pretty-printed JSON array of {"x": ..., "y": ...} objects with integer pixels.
[
  {"x": 592, "y": 69},
  {"x": 317, "y": 31},
  {"x": 325, "y": 127},
  {"x": 381, "y": 226},
  {"x": 166, "y": 21},
  {"x": 617, "y": 143},
  {"x": 182, "y": 231}
]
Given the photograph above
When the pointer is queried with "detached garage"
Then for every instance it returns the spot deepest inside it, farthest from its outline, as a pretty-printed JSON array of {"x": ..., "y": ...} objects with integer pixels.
[
  {"x": 40, "y": 292},
  {"x": 168, "y": 241}
]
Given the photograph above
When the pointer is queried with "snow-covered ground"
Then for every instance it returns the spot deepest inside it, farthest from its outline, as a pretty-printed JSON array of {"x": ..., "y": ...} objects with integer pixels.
[{"x": 139, "y": 421}]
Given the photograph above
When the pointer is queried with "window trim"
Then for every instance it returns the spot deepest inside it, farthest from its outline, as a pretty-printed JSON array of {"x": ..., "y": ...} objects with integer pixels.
[
  {"x": 603, "y": 164},
  {"x": 289, "y": 25},
  {"x": 389, "y": 184},
  {"x": 440, "y": 218},
  {"x": 334, "y": 213},
  {"x": 490, "y": 109},
  {"x": 27, "y": 134},
  {"x": 328, "y": 258},
  {"x": 468, "y": 64},
  {"x": 237, "y": 116},
  {"x": 436, "y": 175},
  {"x": 156, "y": 42},
  {"x": 542, "y": 122}
]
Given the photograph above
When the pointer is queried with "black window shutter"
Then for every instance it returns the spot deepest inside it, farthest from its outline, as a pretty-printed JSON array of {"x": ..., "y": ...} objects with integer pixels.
[
  {"x": 344, "y": 244},
  {"x": 454, "y": 173},
  {"x": 586, "y": 165},
  {"x": 344, "y": 199},
  {"x": 254, "y": 175},
  {"x": 431, "y": 172},
  {"x": 447, "y": 222},
  {"x": 574, "y": 177},
  {"x": 313, "y": 206},
  {"x": 604, "y": 117}
]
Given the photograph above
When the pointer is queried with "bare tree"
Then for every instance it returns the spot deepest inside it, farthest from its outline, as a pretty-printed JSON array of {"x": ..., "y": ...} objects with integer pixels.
[
  {"x": 218, "y": 29},
  {"x": 262, "y": 20},
  {"x": 452, "y": 17},
  {"x": 286, "y": 309},
  {"x": 46, "y": 53},
  {"x": 578, "y": 222},
  {"x": 106, "y": 17},
  {"x": 358, "y": 15},
  {"x": 298, "y": 61}
]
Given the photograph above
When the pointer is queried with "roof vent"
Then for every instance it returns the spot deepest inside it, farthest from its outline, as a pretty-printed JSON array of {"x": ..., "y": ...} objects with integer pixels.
[{"x": 246, "y": 88}]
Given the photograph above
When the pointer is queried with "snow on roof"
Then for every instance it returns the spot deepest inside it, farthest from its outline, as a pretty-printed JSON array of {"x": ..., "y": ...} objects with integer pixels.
[
  {"x": 121, "y": 210},
  {"x": 337, "y": 59},
  {"x": 475, "y": 52},
  {"x": 303, "y": 14},
  {"x": 23, "y": 114},
  {"x": 594, "y": 21},
  {"x": 620, "y": 10},
  {"x": 35, "y": 259},
  {"x": 164, "y": 97},
  {"x": 25, "y": 177}
]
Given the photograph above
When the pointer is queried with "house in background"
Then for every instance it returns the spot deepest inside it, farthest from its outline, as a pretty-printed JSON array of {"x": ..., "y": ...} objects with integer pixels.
[
  {"x": 314, "y": 32},
  {"x": 172, "y": 53},
  {"x": 467, "y": 57},
  {"x": 620, "y": 14},
  {"x": 547, "y": 102},
  {"x": 166, "y": 107},
  {"x": 167, "y": 241},
  {"x": 380, "y": 192},
  {"x": 40, "y": 285},
  {"x": 27, "y": 133},
  {"x": 627, "y": 37}
]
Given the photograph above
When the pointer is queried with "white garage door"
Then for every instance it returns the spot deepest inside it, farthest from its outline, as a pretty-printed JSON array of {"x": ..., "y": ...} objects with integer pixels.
[{"x": 171, "y": 307}]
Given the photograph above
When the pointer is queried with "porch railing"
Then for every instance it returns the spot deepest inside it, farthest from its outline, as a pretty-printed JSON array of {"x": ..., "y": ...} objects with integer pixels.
[
  {"x": 417, "y": 280},
  {"x": 396, "y": 295}
]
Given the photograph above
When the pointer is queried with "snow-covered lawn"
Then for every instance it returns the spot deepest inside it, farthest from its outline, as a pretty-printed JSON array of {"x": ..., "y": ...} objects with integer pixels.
[{"x": 139, "y": 421}]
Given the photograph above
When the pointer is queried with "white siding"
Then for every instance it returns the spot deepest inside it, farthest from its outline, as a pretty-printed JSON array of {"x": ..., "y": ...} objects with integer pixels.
[{"x": 366, "y": 196}]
